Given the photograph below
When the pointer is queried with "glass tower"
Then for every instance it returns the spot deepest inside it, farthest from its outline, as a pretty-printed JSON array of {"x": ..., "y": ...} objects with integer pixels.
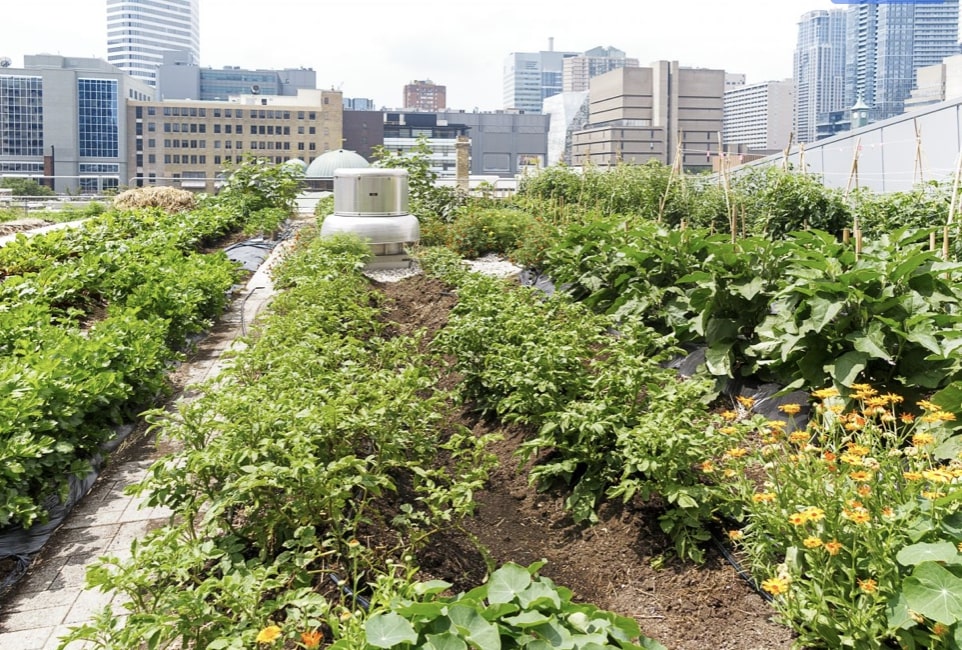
[
  {"x": 819, "y": 65},
  {"x": 140, "y": 31}
]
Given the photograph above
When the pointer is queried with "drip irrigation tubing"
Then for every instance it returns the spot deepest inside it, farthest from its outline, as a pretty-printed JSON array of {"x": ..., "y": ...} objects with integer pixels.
[
  {"x": 347, "y": 591},
  {"x": 739, "y": 569}
]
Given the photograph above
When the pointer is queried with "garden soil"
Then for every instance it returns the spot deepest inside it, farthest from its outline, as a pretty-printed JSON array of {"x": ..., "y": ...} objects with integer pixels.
[{"x": 623, "y": 563}]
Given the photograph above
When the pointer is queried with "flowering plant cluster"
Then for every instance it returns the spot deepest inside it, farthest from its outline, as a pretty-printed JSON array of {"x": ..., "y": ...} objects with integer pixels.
[{"x": 843, "y": 519}]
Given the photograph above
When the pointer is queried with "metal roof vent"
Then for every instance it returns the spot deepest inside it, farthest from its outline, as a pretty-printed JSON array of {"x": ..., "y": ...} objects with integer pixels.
[{"x": 373, "y": 204}]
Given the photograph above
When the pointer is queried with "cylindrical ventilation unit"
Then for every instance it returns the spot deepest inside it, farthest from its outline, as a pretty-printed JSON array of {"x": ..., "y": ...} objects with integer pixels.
[{"x": 373, "y": 204}]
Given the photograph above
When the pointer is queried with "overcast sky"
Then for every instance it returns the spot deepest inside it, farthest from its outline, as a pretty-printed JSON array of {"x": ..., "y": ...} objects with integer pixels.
[{"x": 371, "y": 48}]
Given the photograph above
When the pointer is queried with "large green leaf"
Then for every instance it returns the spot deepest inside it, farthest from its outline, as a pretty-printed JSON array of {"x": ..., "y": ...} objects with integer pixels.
[
  {"x": 718, "y": 359},
  {"x": 934, "y": 592},
  {"x": 928, "y": 552},
  {"x": 823, "y": 311},
  {"x": 474, "y": 628},
  {"x": 847, "y": 367},
  {"x": 387, "y": 629},
  {"x": 871, "y": 342},
  {"x": 445, "y": 641}
]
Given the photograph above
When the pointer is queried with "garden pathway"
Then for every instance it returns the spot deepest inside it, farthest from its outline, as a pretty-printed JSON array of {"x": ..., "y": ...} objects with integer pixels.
[{"x": 50, "y": 598}]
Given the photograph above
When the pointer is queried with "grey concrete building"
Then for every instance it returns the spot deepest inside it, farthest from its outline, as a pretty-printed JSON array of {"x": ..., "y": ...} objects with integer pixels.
[
  {"x": 363, "y": 130},
  {"x": 650, "y": 113},
  {"x": 63, "y": 122},
  {"x": 177, "y": 78},
  {"x": 578, "y": 70},
  {"x": 502, "y": 143}
]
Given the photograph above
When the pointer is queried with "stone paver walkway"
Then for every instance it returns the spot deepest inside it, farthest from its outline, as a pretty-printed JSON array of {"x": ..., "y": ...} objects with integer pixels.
[{"x": 50, "y": 598}]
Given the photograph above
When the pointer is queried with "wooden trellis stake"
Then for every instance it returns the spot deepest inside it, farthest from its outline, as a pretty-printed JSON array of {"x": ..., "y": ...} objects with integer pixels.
[{"x": 952, "y": 208}]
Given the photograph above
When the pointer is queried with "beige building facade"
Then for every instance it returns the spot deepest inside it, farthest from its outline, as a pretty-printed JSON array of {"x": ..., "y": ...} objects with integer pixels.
[
  {"x": 189, "y": 144},
  {"x": 650, "y": 113}
]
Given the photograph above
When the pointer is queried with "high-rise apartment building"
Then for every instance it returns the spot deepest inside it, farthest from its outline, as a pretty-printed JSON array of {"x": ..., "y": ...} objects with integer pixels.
[
  {"x": 887, "y": 43},
  {"x": 63, "y": 122},
  {"x": 578, "y": 70},
  {"x": 819, "y": 66},
  {"x": 139, "y": 32},
  {"x": 178, "y": 78},
  {"x": 650, "y": 113},
  {"x": 531, "y": 77},
  {"x": 759, "y": 116},
  {"x": 425, "y": 95}
]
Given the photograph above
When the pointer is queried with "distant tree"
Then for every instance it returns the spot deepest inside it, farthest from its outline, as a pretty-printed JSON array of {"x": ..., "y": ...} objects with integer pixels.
[{"x": 26, "y": 187}]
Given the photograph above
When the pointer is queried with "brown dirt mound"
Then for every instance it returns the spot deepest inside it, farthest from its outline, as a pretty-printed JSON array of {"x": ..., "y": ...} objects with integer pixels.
[{"x": 621, "y": 563}]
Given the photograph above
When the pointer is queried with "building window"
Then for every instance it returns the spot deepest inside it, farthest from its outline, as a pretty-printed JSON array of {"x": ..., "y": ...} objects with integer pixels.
[
  {"x": 21, "y": 116},
  {"x": 98, "y": 118}
]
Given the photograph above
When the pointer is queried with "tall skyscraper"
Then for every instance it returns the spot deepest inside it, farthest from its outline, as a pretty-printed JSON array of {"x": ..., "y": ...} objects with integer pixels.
[
  {"x": 819, "y": 70},
  {"x": 888, "y": 42},
  {"x": 531, "y": 77},
  {"x": 578, "y": 70},
  {"x": 140, "y": 31}
]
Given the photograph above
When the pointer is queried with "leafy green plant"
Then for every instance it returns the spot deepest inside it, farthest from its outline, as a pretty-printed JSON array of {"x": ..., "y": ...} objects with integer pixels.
[{"x": 515, "y": 608}]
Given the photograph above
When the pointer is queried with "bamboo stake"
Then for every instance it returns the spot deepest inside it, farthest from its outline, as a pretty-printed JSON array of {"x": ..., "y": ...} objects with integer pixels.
[
  {"x": 732, "y": 218},
  {"x": 787, "y": 151},
  {"x": 853, "y": 175},
  {"x": 952, "y": 207},
  {"x": 676, "y": 167},
  {"x": 918, "y": 150},
  {"x": 801, "y": 157}
]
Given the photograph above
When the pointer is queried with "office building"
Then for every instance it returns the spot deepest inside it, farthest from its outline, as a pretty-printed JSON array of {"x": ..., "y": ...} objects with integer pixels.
[
  {"x": 139, "y": 32},
  {"x": 936, "y": 83},
  {"x": 759, "y": 116},
  {"x": 177, "y": 78},
  {"x": 63, "y": 122},
  {"x": 819, "y": 64},
  {"x": 502, "y": 143},
  {"x": 887, "y": 43},
  {"x": 188, "y": 143},
  {"x": 425, "y": 96},
  {"x": 578, "y": 70},
  {"x": 652, "y": 113},
  {"x": 531, "y": 77}
]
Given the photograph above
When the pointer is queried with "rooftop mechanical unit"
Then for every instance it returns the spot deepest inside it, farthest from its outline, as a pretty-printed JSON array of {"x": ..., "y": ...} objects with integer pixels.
[{"x": 373, "y": 204}]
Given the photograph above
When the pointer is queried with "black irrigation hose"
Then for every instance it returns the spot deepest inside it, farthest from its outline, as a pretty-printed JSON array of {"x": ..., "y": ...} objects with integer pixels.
[
  {"x": 743, "y": 574},
  {"x": 347, "y": 591}
]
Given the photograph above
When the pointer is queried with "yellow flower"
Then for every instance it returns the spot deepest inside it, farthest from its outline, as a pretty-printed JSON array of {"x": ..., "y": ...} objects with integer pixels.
[
  {"x": 736, "y": 452},
  {"x": 729, "y": 473},
  {"x": 763, "y": 497},
  {"x": 859, "y": 476},
  {"x": 346, "y": 615},
  {"x": 857, "y": 450},
  {"x": 926, "y": 405},
  {"x": 812, "y": 542},
  {"x": 907, "y": 418},
  {"x": 938, "y": 416},
  {"x": 708, "y": 467},
  {"x": 937, "y": 475},
  {"x": 797, "y": 519},
  {"x": 876, "y": 402},
  {"x": 857, "y": 515},
  {"x": 728, "y": 430},
  {"x": 790, "y": 409},
  {"x": 729, "y": 415},
  {"x": 269, "y": 634},
  {"x": 825, "y": 393},
  {"x": 912, "y": 476},
  {"x": 868, "y": 585},
  {"x": 833, "y": 547},
  {"x": 894, "y": 399},
  {"x": 745, "y": 402},
  {"x": 888, "y": 512},
  {"x": 312, "y": 639},
  {"x": 863, "y": 490},
  {"x": 851, "y": 459},
  {"x": 922, "y": 439},
  {"x": 735, "y": 535},
  {"x": 776, "y": 586},
  {"x": 798, "y": 437},
  {"x": 932, "y": 495},
  {"x": 776, "y": 424},
  {"x": 813, "y": 513}
]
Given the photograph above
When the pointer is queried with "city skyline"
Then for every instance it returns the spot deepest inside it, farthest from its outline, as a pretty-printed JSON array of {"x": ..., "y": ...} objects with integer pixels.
[{"x": 372, "y": 48}]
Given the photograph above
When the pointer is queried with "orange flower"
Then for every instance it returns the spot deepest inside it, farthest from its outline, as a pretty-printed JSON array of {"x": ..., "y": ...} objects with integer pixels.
[
  {"x": 940, "y": 629},
  {"x": 708, "y": 467},
  {"x": 864, "y": 490},
  {"x": 833, "y": 547},
  {"x": 859, "y": 476},
  {"x": 269, "y": 634},
  {"x": 829, "y": 456},
  {"x": 868, "y": 585},
  {"x": 857, "y": 516},
  {"x": 312, "y": 639},
  {"x": 907, "y": 418},
  {"x": 735, "y": 535}
]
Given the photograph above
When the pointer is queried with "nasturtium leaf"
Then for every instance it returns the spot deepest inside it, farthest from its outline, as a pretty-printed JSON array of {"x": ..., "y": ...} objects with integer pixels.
[
  {"x": 934, "y": 592},
  {"x": 539, "y": 594},
  {"x": 927, "y": 552},
  {"x": 446, "y": 641},
  {"x": 526, "y": 619},
  {"x": 898, "y": 615},
  {"x": 431, "y": 587},
  {"x": 387, "y": 629},
  {"x": 474, "y": 628}
]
